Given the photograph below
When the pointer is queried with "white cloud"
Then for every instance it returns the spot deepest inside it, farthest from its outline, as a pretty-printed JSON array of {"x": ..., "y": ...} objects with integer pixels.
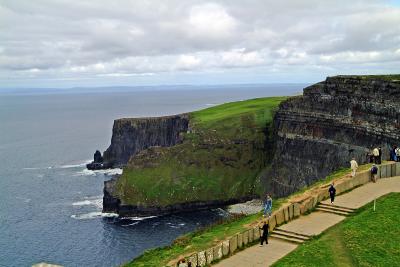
[
  {"x": 210, "y": 20},
  {"x": 242, "y": 58},
  {"x": 129, "y": 38},
  {"x": 187, "y": 62}
]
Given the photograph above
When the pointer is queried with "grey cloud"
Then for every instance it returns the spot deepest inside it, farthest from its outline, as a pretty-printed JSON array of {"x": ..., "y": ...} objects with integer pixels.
[{"x": 130, "y": 36}]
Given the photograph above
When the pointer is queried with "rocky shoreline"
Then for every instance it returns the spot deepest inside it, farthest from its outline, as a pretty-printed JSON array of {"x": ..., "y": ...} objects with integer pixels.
[{"x": 247, "y": 208}]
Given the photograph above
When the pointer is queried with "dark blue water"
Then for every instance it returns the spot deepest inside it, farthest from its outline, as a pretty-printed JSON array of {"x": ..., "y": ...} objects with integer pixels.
[{"x": 50, "y": 206}]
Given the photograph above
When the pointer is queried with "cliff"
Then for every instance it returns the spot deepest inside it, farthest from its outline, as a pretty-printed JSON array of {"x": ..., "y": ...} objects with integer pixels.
[
  {"x": 130, "y": 136},
  {"x": 333, "y": 121},
  {"x": 204, "y": 159}
]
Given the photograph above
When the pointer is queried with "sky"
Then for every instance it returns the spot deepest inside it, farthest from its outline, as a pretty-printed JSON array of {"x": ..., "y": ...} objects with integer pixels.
[{"x": 64, "y": 43}]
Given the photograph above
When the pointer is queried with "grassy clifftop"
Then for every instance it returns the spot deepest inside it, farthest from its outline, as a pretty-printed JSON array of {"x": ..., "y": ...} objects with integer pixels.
[
  {"x": 370, "y": 238},
  {"x": 220, "y": 158}
]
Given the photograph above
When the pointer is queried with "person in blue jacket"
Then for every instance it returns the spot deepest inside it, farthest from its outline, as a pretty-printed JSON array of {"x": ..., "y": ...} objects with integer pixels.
[{"x": 268, "y": 206}]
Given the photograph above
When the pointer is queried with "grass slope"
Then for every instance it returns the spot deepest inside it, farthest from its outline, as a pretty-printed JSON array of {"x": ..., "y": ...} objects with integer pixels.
[
  {"x": 366, "y": 239},
  {"x": 210, "y": 236},
  {"x": 220, "y": 159}
]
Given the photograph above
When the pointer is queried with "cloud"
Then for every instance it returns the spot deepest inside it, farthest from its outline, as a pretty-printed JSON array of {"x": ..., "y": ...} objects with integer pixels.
[{"x": 88, "y": 39}]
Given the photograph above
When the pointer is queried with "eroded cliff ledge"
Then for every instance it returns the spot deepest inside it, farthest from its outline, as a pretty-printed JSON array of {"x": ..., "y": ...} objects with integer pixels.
[
  {"x": 130, "y": 136},
  {"x": 335, "y": 120}
]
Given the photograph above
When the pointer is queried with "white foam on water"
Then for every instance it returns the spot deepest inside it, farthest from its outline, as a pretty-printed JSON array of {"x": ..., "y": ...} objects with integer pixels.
[
  {"x": 211, "y": 104},
  {"x": 94, "y": 215},
  {"x": 83, "y": 164},
  {"x": 38, "y": 168},
  {"x": 86, "y": 172},
  {"x": 137, "y": 218},
  {"x": 134, "y": 223},
  {"x": 96, "y": 201}
]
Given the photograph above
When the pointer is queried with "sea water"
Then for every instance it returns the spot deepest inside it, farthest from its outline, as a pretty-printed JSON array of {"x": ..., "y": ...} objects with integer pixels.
[{"x": 50, "y": 204}]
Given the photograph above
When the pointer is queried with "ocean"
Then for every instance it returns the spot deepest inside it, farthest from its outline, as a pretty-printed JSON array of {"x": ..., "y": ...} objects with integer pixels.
[{"x": 50, "y": 204}]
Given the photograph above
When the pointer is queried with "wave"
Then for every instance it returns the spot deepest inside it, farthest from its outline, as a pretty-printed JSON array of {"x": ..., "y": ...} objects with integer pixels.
[
  {"x": 38, "y": 168},
  {"x": 98, "y": 203},
  {"x": 86, "y": 172},
  {"x": 137, "y": 218},
  {"x": 131, "y": 224},
  {"x": 68, "y": 166},
  {"x": 94, "y": 215}
]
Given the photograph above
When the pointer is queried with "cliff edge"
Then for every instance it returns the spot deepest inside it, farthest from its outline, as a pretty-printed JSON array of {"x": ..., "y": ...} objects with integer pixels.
[
  {"x": 204, "y": 159},
  {"x": 333, "y": 121},
  {"x": 132, "y": 135}
]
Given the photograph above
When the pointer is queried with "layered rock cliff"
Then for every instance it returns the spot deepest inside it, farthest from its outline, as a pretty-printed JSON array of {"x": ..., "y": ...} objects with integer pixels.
[
  {"x": 172, "y": 167},
  {"x": 130, "y": 136},
  {"x": 333, "y": 121}
]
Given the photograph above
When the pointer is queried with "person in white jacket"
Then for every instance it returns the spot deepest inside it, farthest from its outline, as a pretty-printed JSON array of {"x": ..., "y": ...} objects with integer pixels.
[
  {"x": 353, "y": 166},
  {"x": 375, "y": 152}
]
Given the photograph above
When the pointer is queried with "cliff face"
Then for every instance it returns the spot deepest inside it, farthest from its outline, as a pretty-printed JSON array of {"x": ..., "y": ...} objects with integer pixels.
[
  {"x": 131, "y": 136},
  {"x": 334, "y": 120},
  {"x": 168, "y": 169}
]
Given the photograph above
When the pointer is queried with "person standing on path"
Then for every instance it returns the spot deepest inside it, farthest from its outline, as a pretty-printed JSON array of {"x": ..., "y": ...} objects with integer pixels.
[
  {"x": 268, "y": 206},
  {"x": 375, "y": 152},
  {"x": 332, "y": 192},
  {"x": 397, "y": 154},
  {"x": 393, "y": 155},
  {"x": 374, "y": 173},
  {"x": 354, "y": 167},
  {"x": 264, "y": 236}
]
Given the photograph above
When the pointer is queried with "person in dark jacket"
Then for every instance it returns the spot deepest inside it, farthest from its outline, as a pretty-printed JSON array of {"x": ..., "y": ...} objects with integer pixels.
[
  {"x": 332, "y": 192},
  {"x": 264, "y": 236},
  {"x": 374, "y": 173},
  {"x": 380, "y": 156}
]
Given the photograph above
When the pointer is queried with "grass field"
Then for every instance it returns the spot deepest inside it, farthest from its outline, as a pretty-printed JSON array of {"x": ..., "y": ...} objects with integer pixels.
[
  {"x": 210, "y": 236},
  {"x": 370, "y": 238},
  {"x": 220, "y": 159}
]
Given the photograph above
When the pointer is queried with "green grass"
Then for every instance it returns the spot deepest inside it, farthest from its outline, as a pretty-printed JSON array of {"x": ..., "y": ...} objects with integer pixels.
[
  {"x": 387, "y": 77},
  {"x": 220, "y": 159},
  {"x": 207, "y": 237},
  {"x": 366, "y": 239}
]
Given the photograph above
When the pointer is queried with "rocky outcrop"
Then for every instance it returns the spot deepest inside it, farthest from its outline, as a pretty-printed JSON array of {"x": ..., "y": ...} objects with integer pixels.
[
  {"x": 110, "y": 203},
  {"x": 98, "y": 163},
  {"x": 335, "y": 120},
  {"x": 131, "y": 136}
]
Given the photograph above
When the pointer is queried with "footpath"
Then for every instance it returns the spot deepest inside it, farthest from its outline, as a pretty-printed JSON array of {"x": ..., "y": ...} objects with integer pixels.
[{"x": 287, "y": 237}]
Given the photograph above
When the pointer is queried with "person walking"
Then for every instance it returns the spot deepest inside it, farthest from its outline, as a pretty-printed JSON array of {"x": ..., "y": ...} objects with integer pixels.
[
  {"x": 332, "y": 192},
  {"x": 268, "y": 206},
  {"x": 374, "y": 173},
  {"x": 264, "y": 236},
  {"x": 397, "y": 151},
  {"x": 375, "y": 152},
  {"x": 354, "y": 167},
  {"x": 394, "y": 153}
]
